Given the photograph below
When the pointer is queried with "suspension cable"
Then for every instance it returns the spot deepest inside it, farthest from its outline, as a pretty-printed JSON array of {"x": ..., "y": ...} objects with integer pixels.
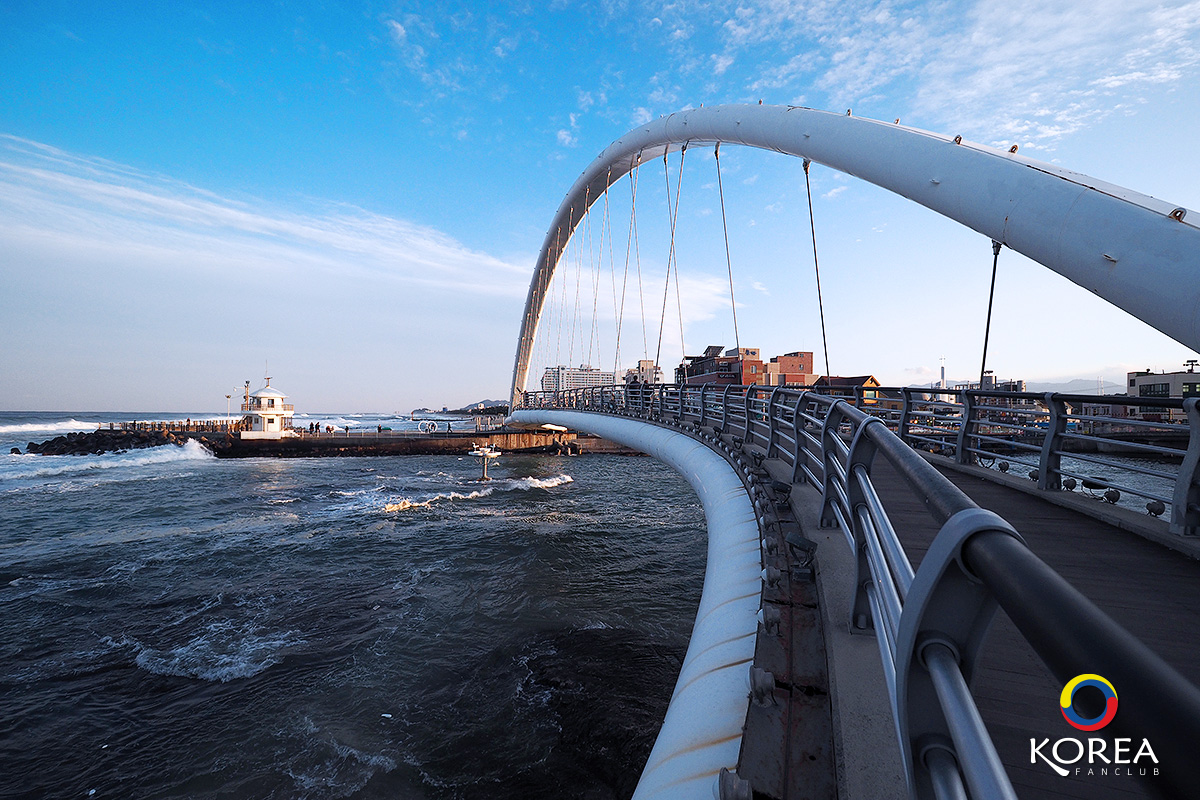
[
  {"x": 549, "y": 305},
  {"x": 594, "y": 260},
  {"x": 987, "y": 331},
  {"x": 728, "y": 259},
  {"x": 673, "y": 215},
  {"x": 637, "y": 256},
  {"x": 816, "y": 266},
  {"x": 563, "y": 279},
  {"x": 575, "y": 323},
  {"x": 612, "y": 274},
  {"x": 624, "y": 285}
]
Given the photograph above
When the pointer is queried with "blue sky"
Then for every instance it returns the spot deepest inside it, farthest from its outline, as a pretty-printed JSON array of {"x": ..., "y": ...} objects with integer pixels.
[{"x": 355, "y": 193}]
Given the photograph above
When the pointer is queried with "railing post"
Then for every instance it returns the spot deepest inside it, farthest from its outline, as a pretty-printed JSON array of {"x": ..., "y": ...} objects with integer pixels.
[
  {"x": 748, "y": 434},
  {"x": 703, "y": 406},
  {"x": 1185, "y": 508},
  {"x": 680, "y": 393},
  {"x": 962, "y": 454},
  {"x": 946, "y": 616},
  {"x": 725, "y": 408},
  {"x": 1051, "y": 460},
  {"x": 771, "y": 427},
  {"x": 829, "y": 430},
  {"x": 862, "y": 453},
  {"x": 858, "y": 396},
  {"x": 905, "y": 410},
  {"x": 799, "y": 446}
]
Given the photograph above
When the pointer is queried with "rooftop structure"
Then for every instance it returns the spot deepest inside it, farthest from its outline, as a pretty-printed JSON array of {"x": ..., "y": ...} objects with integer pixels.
[{"x": 738, "y": 366}]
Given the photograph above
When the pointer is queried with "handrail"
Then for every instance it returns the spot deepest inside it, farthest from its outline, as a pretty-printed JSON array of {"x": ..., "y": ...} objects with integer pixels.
[
  {"x": 1064, "y": 449},
  {"x": 931, "y": 624}
]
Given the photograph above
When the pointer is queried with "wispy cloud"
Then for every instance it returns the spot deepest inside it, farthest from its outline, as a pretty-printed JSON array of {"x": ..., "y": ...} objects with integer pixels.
[
  {"x": 1022, "y": 71},
  {"x": 55, "y": 200}
]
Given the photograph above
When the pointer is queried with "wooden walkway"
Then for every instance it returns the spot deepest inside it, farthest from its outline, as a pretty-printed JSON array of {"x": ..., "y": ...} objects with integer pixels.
[{"x": 1150, "y": 590}]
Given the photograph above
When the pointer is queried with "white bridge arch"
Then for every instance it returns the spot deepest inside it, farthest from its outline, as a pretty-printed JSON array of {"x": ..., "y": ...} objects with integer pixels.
[{"x": 1135, "y": 251}]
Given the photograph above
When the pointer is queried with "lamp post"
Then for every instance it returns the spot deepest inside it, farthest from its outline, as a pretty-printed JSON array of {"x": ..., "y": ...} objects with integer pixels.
[{"x": 228, "y": 410}]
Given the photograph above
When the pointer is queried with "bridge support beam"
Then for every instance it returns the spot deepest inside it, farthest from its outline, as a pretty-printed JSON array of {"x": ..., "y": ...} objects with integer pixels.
[{"x": 702, "y": 731}]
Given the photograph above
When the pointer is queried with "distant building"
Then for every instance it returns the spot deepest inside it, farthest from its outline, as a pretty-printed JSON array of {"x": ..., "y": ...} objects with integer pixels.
[
  {"x": 738, "y": 366},
  {"x": 1110, "y": 411},
  {"x": 1163, "y": 385},
  {"x": 992, "y": 384},
  {"x": 266, "y": 415},
  {"x": 562, "y": 378},
  {"x": 790, "y": 369},
  {"x": 645, "y": 372},
  {"x": 840, "y": 386}
]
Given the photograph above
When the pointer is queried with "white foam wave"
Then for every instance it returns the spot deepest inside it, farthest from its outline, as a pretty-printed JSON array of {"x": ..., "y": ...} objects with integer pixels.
[
  {"x": 223, "y": 652},
  {"x": 524, "y": 484},
  {"x": 405, "y": 504},
  {"x": 37, "y": 466},
  {"x": 502, "y": 485},
  {"x": 62, "y": 426}
]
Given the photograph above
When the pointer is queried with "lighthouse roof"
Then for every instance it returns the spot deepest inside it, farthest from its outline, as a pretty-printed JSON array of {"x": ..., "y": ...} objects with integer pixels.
[{"x": 268, "y": 391}]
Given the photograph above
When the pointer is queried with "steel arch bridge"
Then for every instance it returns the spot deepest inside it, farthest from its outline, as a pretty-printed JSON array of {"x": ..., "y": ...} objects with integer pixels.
[
  {"x": 739, "y": 450},
  {"x": 1138, "y": 253}
]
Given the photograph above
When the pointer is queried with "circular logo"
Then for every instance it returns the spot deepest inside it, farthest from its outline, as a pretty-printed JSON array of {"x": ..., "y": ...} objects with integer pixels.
[{"x": 1072, "y": 716}]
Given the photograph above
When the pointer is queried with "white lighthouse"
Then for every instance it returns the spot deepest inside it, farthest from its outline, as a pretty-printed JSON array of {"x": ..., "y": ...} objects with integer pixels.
[{"x": 266, "y": 415}]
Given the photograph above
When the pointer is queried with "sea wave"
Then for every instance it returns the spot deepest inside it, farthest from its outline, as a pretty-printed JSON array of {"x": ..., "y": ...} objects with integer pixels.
[
  {"x": 62, "y": 426},
  {"x": 537, "y": 483},
  {"x": 405, "y": 504},
  {"x": 37, "y": 466},
  {"x": 501, "y": 485},
  {"x": 223, "y": 652}
]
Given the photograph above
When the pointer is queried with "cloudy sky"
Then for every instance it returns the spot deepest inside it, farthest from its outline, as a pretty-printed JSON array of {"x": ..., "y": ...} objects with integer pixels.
[{"x": 352, "y": 195}]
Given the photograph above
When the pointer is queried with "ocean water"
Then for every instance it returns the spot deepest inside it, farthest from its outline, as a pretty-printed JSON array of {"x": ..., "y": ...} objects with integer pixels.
[{"x": 174, "y": 625}]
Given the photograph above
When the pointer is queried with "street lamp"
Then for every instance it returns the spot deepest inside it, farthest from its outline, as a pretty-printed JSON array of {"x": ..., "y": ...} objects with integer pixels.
[{"x": 228, "y": 411}]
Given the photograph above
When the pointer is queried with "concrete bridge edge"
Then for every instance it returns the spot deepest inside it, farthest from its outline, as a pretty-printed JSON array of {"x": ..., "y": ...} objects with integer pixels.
[{"x": 702, "y": 730}]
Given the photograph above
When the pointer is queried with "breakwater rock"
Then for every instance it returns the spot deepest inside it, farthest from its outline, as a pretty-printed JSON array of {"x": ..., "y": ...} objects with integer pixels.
[{"x": 106, "y": 441}]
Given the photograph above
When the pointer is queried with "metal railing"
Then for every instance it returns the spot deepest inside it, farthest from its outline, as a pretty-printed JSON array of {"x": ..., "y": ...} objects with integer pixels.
[
  {"x": 1145, "y": 448},
  {"x": 281, "y": 408},
  {"x": 930, "y": 624}
]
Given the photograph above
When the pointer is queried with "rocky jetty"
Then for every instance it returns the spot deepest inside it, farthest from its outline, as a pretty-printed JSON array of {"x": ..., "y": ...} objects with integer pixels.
[{"x": 106, "y": 441}]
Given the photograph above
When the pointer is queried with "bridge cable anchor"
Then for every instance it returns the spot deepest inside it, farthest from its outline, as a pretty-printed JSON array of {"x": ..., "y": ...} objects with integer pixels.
[
  {"x": 762, "y": 687},
  {"x": 732, "y": 787}
]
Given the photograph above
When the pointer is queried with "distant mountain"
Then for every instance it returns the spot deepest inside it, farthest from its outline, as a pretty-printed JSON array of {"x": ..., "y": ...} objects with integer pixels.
[
  {"x": 1112, "y": 385},
  {"x": 485, "y": 403},
  {"x": 1078, "y": 386},
  {"x": 486, "y": 407}
]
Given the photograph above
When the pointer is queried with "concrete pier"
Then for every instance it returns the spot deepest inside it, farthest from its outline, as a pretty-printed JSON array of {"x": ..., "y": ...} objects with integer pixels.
[
  {"x": 393, "y": 444},
  {"x": 228, "y": 444}
]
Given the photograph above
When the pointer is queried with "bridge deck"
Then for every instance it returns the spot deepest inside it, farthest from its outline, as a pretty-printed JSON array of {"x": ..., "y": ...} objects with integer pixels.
[{"x": 1150, "y": 590}]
